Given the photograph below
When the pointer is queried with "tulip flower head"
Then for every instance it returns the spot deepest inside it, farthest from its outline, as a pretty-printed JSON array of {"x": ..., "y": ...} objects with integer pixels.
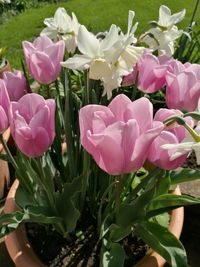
[
  {"x": 32, "y": 124},
  {"x": 4, "y": 107},
  {"x": 119, "y": 136},
  {"x": 43, "y": 58},
  {"x": 16, "y": 84}
]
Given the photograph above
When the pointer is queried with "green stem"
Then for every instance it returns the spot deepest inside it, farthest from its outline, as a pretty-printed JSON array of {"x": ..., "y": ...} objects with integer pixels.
[
  {"x": 11, "y": 158},
  {"x": 119, "y": 188},
  {"x": 45, "y": 184}
]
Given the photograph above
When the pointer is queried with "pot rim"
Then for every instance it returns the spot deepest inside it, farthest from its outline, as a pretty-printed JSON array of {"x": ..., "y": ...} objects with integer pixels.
[{"x": 23, "y": 255}]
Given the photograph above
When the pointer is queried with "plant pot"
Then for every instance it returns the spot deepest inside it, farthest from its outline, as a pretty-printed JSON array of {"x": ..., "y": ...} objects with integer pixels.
[
  {"x": 6, "y": 67},
  {"x": 22, "y": 254},
  {"x": 4, "y": 170}
]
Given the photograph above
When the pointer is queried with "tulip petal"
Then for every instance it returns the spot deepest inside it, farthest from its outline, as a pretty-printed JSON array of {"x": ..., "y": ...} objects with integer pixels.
[
  {"x": 3, "y": 120},
  {"x": 108, "y": 152},
  {"x": 119, "y": 105},
  {"x": 142, "y": 111},
  {"x": 142, "y": 146},
  {"x": 42, "y": 42},
  {"x": 161, "y": 157},
  {"x": 41, "y": 68}
]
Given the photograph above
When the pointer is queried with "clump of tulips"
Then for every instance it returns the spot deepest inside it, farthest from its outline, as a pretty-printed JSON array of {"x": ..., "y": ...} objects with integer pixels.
[{"x": 128, "y": 117}]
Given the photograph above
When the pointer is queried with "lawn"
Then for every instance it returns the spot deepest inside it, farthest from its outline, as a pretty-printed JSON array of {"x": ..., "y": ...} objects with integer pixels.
[{"x": 97, "y": 15}]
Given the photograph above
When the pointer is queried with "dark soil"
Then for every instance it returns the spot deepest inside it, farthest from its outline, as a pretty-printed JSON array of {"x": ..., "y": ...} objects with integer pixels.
[{"x": 82, "y": 251}]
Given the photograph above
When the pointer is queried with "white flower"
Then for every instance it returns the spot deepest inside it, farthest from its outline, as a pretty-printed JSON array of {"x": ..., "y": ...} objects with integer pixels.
[
  {"x": 162, "y": 38},
  {"x": 167, "y": 20},
  {"x": 163, "y": 41},
  {"x": 107, "y": 59},
  {"x": 64, "y": 27}
]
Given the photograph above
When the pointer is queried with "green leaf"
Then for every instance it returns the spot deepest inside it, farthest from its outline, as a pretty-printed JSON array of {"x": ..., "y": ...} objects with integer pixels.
[
  {"x": 67, "y": 203},
  {"x": 162, "y": 241},
  {"x": 131, "y": 213},
  {"x": 168, "y": 202},
  {"x": 184, "y": 175},
  {"x": 9, "y": 222},
  {"x": 114, "y": 257},
  {"x": 163, "y": 185}
]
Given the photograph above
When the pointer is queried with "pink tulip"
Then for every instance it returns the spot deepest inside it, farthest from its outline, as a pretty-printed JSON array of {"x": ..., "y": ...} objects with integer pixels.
[
  {"x": 43, "y": 58},
  {"x": 4, "y": 107},
  {"x": 15, "y": 84},
  {"x": 183, "y": 86},
  {"x": 173, "y": 134},
  {"x": 151, "y": 73},
  {"x": 32, "y": 124},
  {"x": 119, "y": 136},
  {"x": 161, "y": 157}
]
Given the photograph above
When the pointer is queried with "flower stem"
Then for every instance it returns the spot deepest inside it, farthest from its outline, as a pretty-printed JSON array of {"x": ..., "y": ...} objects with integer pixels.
[
  {"x": 119, "y": 188},
  {"x": 11, "y": 158}
]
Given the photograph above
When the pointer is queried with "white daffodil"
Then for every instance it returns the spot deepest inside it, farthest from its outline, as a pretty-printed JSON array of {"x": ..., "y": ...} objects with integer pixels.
[
  {"x": 163, "y": 41},
  {"x": 163, "y": 37},
  {"x": 92, "y": 57},
  {"x": 107, "y": 59},
  {"x": 64, "y": 27},
  {"x": 167, "y": 20}
]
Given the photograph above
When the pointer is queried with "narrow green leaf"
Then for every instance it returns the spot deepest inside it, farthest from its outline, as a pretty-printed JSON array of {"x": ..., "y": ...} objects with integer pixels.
[
  {"x": 162, "y": 241},
  {"x": 169, "y": 202},
  {"x": 184, "y": 175}
]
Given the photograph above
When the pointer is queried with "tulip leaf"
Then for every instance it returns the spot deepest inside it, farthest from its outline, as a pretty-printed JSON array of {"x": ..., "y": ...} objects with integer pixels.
[
  {"x": 130, "y": 213},
  {"x": 9, "y": 222},
  {"x": 114, "y": 257},
  {"x": 184, "y": 175},
  {"x": 162, "y": 241},
  {"x": 67, "y": 203},
  {"x": 163, "y": 185},
  {"x": 169, "y": 202}
]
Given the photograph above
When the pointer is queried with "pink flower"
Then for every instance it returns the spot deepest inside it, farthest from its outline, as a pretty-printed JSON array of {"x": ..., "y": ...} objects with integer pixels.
[
  {"x": 183, "y": 86},
  {"x": 170, "y": 135},
  {"x": 15, "y": 84},
  {"x": 32, "y": 124},
  {"x": 4, "y": 107},
  {"x": 151, "y": 73},
  {"x": 43, "y": 58},
  {"x": 119, "y": 136}
]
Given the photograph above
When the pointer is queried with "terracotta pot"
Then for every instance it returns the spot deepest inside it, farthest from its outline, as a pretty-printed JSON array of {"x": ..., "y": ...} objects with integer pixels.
[
  {"x": 22, "y": 254},
  {"x": 4, "y": 170},
  {"x": 7, "y": 67}
]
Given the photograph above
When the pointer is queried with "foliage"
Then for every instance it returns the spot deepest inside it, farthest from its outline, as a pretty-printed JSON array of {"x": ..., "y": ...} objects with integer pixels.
[{"x": 93, "y": 140}]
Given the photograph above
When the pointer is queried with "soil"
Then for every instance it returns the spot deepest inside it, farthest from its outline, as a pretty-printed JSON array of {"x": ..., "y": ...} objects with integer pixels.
[{"x": 82, "y": 251}]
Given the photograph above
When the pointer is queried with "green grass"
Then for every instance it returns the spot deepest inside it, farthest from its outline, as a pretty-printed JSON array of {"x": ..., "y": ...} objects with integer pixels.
[{"x": 97, "y": 15}]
